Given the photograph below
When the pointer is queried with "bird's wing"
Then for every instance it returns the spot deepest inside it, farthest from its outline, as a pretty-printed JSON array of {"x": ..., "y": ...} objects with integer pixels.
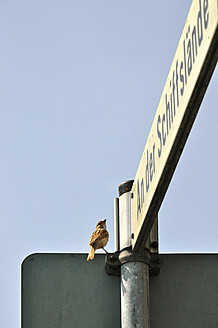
[{"x": 98, "y": 235}]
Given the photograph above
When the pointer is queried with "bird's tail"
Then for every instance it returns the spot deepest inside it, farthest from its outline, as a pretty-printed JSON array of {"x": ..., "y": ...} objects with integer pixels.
[{"x": 91, "y": 254}]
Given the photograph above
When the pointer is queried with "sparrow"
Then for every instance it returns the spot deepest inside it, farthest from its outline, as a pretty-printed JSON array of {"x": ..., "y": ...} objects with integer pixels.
[{"x": 98, "y": 239}]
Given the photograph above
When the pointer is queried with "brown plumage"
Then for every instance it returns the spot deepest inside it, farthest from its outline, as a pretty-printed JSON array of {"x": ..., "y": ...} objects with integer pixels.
[{"x": 98, "y": 239}]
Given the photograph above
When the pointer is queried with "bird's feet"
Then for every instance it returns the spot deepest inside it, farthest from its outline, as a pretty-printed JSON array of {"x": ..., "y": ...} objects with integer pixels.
[{"x": 105, "y": 250}]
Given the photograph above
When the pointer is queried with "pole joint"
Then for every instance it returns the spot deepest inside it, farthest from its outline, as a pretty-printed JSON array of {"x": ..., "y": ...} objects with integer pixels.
[{"x": 113, "y": 261}]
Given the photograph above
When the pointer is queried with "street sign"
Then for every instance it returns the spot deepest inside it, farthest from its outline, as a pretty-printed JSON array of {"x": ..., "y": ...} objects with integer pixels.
[
  {"x": 63, "y": 290},
  {"x": 188, "y": 78}
]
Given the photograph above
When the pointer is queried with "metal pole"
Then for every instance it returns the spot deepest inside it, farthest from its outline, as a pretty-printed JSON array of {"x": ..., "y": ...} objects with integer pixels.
[
  {"x": 135, "y": 295},
  {"x": 134, "y": 274},
  {"x": 116, "y": 225},
  {"x": 125, "y": 220}
]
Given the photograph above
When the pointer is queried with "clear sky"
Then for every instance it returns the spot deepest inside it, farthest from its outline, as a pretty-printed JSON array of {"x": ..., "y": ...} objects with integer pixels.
[{"x": 80, "y": 84}]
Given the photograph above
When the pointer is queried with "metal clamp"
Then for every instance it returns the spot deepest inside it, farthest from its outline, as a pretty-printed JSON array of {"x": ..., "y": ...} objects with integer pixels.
[{"x": 113, "y": 261}]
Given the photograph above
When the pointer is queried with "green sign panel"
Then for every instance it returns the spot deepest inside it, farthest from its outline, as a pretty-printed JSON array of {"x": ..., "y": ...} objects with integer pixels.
[{"x": 66, "y": 291}]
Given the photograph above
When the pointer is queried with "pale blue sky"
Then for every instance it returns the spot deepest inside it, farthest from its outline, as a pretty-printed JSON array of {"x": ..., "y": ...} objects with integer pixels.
[{"x": 80, "y": 84}]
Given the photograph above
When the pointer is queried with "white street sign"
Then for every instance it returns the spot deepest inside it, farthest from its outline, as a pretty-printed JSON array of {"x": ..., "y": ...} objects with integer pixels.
[{"x": 189, "y": 75}]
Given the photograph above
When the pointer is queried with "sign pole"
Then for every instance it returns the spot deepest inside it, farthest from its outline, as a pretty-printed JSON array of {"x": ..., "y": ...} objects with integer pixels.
[
  {"x": 139, "y": 200},
  {"x": 134, "y": 274},
  {"x": 135, "y": 295},
  {"x": 116, "y": 225}
]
